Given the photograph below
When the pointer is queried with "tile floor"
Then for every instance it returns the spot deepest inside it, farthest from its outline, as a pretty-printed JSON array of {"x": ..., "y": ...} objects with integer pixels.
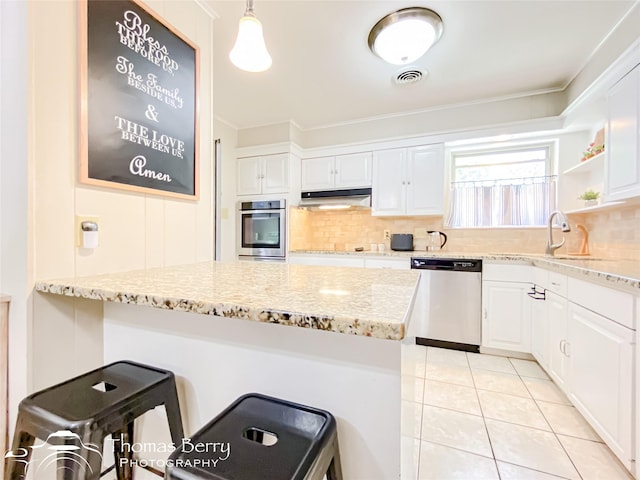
[{"x": 479, "y": 416}]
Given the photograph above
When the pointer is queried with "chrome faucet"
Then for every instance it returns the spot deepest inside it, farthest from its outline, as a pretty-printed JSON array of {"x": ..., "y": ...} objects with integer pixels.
[{"x": 564, "y": 226}]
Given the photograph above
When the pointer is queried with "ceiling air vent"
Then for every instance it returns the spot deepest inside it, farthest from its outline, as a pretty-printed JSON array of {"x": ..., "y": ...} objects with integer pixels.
[{"x": 409, "y": 75}]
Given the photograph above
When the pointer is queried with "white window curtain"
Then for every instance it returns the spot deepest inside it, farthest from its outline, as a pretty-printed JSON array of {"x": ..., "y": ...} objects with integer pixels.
[{"x": 476, "y": 204}]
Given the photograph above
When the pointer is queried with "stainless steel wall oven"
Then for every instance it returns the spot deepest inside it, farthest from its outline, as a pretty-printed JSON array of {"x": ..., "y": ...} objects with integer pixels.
[{"x": 262, "y": 230}]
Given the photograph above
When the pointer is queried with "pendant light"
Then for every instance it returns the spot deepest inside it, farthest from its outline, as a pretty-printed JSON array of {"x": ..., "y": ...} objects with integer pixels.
[
  {"x": 405, "y": 35},
  {"x": 250, "y": 52}
]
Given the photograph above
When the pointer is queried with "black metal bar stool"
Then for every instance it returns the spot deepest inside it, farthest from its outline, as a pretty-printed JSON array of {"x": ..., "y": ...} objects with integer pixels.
[
  {"x": 260, "y": 437},
  {"x": 74, "y": 417}
]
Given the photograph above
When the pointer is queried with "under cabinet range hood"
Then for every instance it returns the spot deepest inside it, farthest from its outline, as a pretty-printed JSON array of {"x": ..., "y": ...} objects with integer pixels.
[{"x": 336, "y": 199}]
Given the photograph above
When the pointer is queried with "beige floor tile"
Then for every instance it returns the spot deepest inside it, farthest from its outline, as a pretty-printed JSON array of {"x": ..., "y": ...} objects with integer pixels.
[
  {"x": 594, "y": 460},
  {"x": 455, "y": 429},
  {"x": 410, "y": 419},
  {"x": 509, "y": 471},
  {"x": 454, "y": 397},
  {"x": 500, "y": 382},
  {"x": 545, "y": 390},
  {"x": 449, "y": 374},
  {"x": 531, "y": 448},
  {"x": 412, "y": 388},
  {"x": 444, "y": 356},
  {"x": 490, "y": 362},
  {"x": 444, "y": 463},
  {"x": 566, "y": 420},
  {"x": 409, "y": 458},
  {"x": 510, "y": 408},
  {"x": 528, "y": 368}
]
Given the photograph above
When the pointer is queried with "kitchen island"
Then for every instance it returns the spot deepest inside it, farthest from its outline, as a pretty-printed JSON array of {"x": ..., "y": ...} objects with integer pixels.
[{"x": 329, "y": 337}]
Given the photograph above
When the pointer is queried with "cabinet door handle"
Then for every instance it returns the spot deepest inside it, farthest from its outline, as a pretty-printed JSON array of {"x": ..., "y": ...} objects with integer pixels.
[
  {"x": 536, "y": 295},
  {"x": 403, "y": 182},
  {"x": 555, "y": 284},
  {"x": 409, "y": 182},
  {"x": 484, "y": 313},
  {"x": 567, "y": 349},
  {"x": 562, "y": 342}
]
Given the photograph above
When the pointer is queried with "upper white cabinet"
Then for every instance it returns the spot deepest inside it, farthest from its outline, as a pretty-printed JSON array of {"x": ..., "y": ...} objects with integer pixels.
[
  {"x": 408, "y": 181},
  {"x": 264, "y": 174},
  {"x": 622, "y": 178},
  {"x": 338, "y": 172}
]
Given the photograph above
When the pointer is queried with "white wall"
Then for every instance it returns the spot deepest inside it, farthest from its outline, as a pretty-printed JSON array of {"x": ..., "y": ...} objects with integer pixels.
[
  {"x": 228, "y": 139},
  {"x": 136, "y": 230},
  {"x": 16, "y": 277}
]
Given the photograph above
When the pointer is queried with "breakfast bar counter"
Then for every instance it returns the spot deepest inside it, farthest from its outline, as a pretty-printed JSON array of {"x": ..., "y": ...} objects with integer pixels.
[{"x": 328, "y": 337}]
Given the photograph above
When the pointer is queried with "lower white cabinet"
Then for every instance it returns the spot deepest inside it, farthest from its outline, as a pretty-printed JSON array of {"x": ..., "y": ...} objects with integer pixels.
[
  {"x": 328, "y": 260},
  {"x": 391, "y": 263},
  {"x": 506, "y": 315},
  {"x": 338, "y": 260},
  {"x": 600, "y": 354},
  {"x": 539, "y": 327},
  {"x": 557, "y": 340},
  {"x": 581, "y": 333}
]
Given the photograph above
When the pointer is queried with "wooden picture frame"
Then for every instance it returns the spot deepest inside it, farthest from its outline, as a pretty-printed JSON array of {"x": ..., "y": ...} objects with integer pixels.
[{"x": 138, "y": 101}]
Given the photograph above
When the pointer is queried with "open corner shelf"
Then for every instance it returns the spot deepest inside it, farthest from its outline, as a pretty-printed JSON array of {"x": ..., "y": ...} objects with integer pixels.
[
  {"x": 600, "y": 206},
  {"x": 595, "y": 163}
]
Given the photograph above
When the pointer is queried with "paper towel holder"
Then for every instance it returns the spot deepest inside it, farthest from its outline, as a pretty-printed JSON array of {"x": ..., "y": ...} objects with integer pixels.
[{"x": 89, "y": 234}]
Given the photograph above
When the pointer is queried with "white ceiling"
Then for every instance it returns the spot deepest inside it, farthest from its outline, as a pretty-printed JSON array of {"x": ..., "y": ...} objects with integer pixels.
[{"x": 323, "y": 72}]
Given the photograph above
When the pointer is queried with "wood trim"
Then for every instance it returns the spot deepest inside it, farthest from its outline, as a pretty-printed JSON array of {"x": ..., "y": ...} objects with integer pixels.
[{"x": 83, "y": 129}]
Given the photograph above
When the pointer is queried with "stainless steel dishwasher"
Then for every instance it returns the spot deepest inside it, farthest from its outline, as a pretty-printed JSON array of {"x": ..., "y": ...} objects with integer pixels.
[{"x": 451, "y": 301}]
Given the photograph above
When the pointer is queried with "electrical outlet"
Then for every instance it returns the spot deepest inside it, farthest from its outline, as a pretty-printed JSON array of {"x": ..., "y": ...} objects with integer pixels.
[{"x": 387, "y": 234}]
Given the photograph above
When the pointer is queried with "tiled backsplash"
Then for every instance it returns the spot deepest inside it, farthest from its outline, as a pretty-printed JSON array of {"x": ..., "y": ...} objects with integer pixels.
[{"x": 613, "y": 233}]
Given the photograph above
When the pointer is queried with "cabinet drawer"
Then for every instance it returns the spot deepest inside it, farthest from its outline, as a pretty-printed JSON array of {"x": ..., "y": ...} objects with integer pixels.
[
  {"x": 612, "y": 304},
  {"x": 557, "y": 284},
  {"x": 394, "y": 263},
  {"x": 541, "y": 277},
  {"x": 507, "y": 273}
]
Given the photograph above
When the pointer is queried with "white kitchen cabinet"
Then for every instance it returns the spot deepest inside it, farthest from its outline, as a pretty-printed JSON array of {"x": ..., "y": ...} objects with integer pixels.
[
  {"x": 622, "y": 165},
  {"x": 408, "y": 181},
  {"x": 391, "y": 263},
  {"x": 557, "y": 308},
  {"x": 329, "y": 260},
  {"x": 601, "y": 377},
  {"x": 539, "y": 326},
  {"x": 345, "y": 260},
  {"x": 337, "y": 172},
  {"x": 263, "y": 175},
  {"x": 506, "y": 315}
]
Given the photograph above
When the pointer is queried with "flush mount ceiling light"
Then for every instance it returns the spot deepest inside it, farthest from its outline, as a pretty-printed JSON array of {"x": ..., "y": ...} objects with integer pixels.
[
  {"x": 250, "y": 52},
  {"x": 405, "y": 35}
]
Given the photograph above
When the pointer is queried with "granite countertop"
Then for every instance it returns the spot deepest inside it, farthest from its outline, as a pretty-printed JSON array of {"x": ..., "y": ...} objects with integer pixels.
[
  {"x": 367, "y": 302},
  {"x": 622, "y": 274}
]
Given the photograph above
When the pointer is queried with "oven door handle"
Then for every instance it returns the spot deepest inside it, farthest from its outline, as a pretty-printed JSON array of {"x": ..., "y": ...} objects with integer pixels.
[{"x": 251, "y": 212}]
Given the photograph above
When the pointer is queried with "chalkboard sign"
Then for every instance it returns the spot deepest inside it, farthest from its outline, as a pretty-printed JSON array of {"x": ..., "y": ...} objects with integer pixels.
[{"x": 138, "y": 101}]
